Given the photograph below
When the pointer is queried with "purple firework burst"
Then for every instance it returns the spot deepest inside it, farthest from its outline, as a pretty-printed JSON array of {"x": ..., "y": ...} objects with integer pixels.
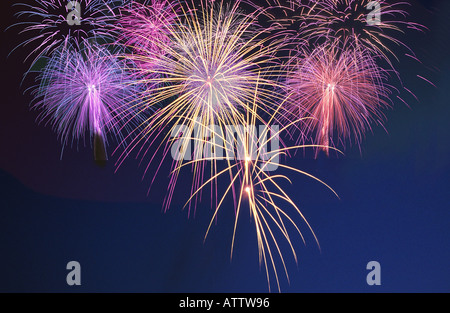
[{"x": 87, "y": 91}]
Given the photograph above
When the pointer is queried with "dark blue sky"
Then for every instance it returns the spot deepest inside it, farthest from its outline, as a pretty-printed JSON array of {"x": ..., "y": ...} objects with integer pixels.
[{"x": 393, "y": 206}]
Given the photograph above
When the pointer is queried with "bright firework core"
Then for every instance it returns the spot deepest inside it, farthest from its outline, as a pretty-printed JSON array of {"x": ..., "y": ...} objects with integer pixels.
[
  {"x": 91, "y": 88},
  {"x": 342, "y": 90},
  {"x": 215, "y": 83}
]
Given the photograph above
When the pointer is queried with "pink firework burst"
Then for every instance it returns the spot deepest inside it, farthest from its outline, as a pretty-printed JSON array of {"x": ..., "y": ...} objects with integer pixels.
[
  {"x": 341, "y": 91},
  {"x": 144, "y": 27}
]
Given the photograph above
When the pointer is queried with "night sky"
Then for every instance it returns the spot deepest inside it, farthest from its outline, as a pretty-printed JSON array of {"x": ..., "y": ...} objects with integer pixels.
[{"x": 393, "y": 207}]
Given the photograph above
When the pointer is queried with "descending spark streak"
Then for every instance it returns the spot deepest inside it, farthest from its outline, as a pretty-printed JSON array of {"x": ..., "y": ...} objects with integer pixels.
[{"x": 259, "y": 191}]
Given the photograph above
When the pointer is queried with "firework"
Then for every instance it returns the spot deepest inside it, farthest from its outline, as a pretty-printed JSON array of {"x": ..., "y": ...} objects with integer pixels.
[
  {"x": 342, "y": 91},
  {"x": 86, "y": 92},
  {"x": 367, "y": 25},
  {"x": 253, "y": 187},
  {"x": 206, "y": 75},
  {"x": 144, "y": 27},
  {"x": 59, "y": 24}
]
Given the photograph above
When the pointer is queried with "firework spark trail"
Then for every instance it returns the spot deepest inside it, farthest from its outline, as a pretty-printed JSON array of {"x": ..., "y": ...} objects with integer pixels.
[
  {"x": 206, "y": 76},
  {"x": 343, "y": 91},
  {"x": 47, "y": 22},
  {"x": 86, "y": 91},
  {"x": 252, "y": 186}
]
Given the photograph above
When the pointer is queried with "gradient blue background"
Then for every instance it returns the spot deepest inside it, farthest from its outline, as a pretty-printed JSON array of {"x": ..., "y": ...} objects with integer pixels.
[{"x": 393, "y": 207}]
